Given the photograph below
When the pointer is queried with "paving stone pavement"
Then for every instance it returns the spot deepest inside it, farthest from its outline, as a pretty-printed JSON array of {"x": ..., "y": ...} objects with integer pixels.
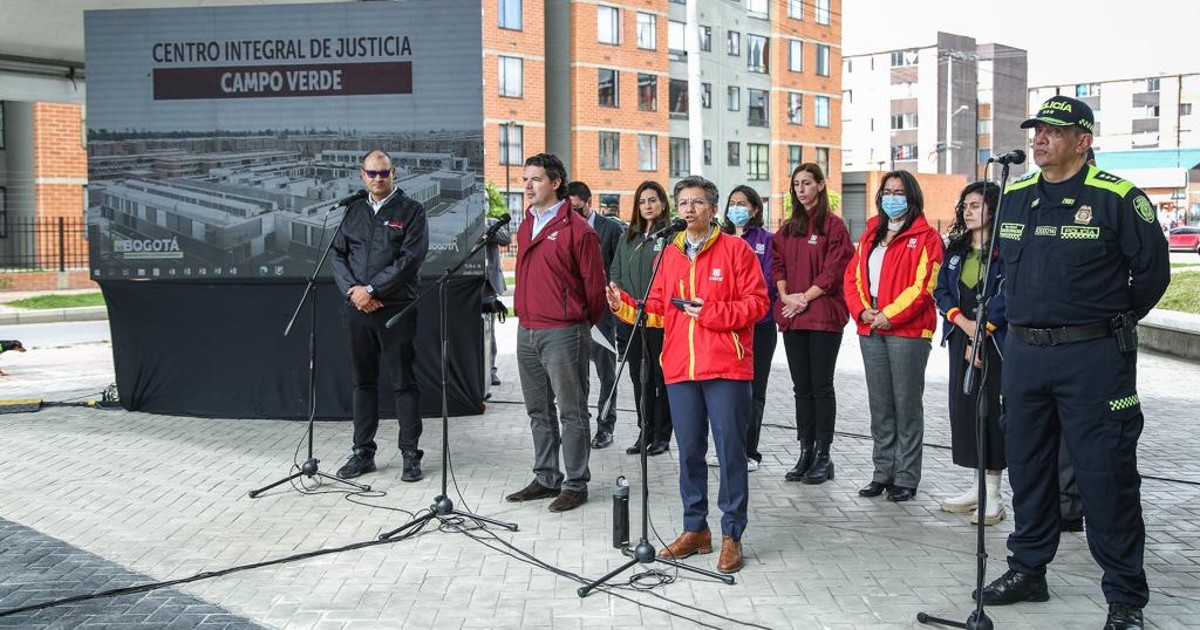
[{"x": 165, "y": 498}]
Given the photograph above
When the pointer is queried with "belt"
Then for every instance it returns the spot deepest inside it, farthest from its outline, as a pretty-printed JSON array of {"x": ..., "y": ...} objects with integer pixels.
[{"x": 1064, "y": 334}]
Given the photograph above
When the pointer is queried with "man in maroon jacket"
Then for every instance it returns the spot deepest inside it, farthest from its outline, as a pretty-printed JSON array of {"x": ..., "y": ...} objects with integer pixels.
[{"x": 559, "y": 296}]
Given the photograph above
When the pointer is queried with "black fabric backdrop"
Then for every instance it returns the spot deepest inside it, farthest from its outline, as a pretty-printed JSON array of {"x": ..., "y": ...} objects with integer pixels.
[{"x": 187, "y": 348}]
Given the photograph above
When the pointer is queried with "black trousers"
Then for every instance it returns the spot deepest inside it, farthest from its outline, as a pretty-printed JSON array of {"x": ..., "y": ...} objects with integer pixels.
[
  {"x": 766, "y": 337},
  {"x": 1087, "y": 393},
  {"x": 812, "y": 357},
  {"x": 372, "y": 345}
]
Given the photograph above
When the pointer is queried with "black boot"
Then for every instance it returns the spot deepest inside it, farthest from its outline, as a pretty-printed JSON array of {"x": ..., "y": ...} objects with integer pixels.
[
  {"x": 803, "y": 464},
  {"x": 822, "y": 468}
]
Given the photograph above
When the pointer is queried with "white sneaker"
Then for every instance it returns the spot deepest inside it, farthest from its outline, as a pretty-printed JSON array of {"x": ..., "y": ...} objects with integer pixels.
[
  {"x": 713, "y": 461},
  {"x": 965, "y": 502},
  {"x": 751, "y": 465}
]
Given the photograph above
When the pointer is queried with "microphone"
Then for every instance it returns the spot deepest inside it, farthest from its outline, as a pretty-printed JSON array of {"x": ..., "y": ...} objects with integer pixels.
[
  {"x": 501, "y": 221},
  {"x": 349, "y": 199},
  {"x": 1016, "y": 156},
  {"x": 675, "y": 226}
]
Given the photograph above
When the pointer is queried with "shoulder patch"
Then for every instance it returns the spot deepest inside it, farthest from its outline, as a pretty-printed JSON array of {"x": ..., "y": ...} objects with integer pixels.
[
  {"x": 1097, "y": 178},
  {"x": 1144, "y": 208}
]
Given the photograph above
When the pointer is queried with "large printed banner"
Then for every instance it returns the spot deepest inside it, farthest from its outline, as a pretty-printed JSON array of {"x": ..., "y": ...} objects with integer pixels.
[{"x": 219, "y": 139}]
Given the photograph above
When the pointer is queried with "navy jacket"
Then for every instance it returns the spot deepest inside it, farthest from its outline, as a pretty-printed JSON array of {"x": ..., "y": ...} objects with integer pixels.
[{"x": 946, "y": 295}]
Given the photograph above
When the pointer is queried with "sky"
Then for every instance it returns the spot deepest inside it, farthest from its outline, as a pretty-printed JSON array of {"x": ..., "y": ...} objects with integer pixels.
[{"x": 1068, "y": 42}]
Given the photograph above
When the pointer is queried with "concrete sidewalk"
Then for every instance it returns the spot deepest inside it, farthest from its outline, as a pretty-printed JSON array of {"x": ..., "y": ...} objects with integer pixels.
[{"x": 165, "y": 497}]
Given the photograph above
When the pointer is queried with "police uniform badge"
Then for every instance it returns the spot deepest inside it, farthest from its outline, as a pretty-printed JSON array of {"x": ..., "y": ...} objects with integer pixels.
[
  {"x": 1144, "y": 208},
  {"x": 1084, "y": 215}
]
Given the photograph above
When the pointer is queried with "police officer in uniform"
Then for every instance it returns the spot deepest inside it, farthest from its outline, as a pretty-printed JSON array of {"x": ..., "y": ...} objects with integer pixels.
[{"x": 1085, "y": 259}]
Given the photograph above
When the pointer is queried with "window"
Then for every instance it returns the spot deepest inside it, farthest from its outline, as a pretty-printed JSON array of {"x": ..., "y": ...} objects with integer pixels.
[
  {"x": 1150, "y": 111},
  {"x": 1152, "y": 84},
  {"x": 679, "y": 98},
  {"x": 903, "y": 58},
  {"x": 708, "y": 152},
  {"x": 760, "y": 7},
  {"x": 733, "y": 43},
  {"x": 795, "y": 156},
  {"x": 610, "y": 150},
  {"x": 647, "y": 31},
  {"x": 1083, "y": 90},
  {"x": 756, "y": 53},
  {"x": 822, "y": 107},
  {"x": 756, "y": 161},
  {"x": 706, "y": 95},
  {"x": 757, "y": 108},
  {"x": 984, "y": 127},
  {"x": 647, "y": 152},
  {"x": 795, "y": 111},
  {"x": 848, "y": 96},
  {"x": 796, "y": 9},
  {"x": 905, "y": 121},
  {"x": 608, "y": 25},
  {"x": 676, "y": 39},
  {"x": 735, "y": 153},
  {"x": 823, "y": 60},
  {"x": 733, "y": 95},
  {"x": 1185, "y": 109},
  {"x": 510, "y": 14},
  {"x": 511, "y": 144},
  {"x": 795, "y": 55},
  {"x": 706, "y": 38},
  {"x": 511, "y": 77},
  {"x": 822, "y": 159},
  {"x": 516, "y": 203},
  {"x": 904, "y": 152},
  {"x": 822, "y": 11},
  {"x": 679, "y": 157},
  {"x": 648, "y": 92},
  {"x": 608, "y": 88}
]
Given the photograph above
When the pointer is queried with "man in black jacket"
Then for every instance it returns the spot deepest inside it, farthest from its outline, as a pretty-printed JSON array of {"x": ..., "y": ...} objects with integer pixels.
[
  {"x": 603, "y": 358},
  {"x": 377, "y": 257}
]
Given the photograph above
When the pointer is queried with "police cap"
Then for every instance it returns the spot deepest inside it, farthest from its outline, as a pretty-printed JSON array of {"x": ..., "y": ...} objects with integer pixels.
[{"x": 1064, "y": 111}]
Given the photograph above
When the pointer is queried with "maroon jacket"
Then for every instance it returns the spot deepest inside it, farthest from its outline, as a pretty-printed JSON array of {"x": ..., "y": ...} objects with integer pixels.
[
  {"x": 560, "y": 274},
  {"x": 818, "y": 259}
]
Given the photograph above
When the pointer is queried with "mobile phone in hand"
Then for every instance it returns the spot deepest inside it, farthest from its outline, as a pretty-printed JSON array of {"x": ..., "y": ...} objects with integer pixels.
[{"x": 681, "y": 303}]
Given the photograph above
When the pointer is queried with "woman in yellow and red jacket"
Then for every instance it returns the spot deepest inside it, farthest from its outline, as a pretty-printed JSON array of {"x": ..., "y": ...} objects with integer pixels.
[
  {"x": 889, "y": 290},
  {"x": 709, "y": 293}
]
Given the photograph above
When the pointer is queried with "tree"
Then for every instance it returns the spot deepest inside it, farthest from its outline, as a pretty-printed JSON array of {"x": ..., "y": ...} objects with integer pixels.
[{"x": 497, "y": 204}]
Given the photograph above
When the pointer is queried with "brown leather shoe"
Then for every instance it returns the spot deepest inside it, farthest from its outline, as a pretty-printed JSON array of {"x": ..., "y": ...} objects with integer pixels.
[
  {"x": 532, "y": 492},
  {"x": 568, "y": 500},
  {"x": 731, "y": 555},
  {"x": 688, "y": 543}
]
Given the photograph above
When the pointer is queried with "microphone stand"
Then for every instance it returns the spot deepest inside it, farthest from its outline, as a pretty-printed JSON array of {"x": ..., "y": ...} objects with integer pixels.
[
  {"x": 978, "y": 619},
  {"x": 443, "y": 507},
  {"x": 644, "y": 552},
  {"x": 310, "y": 466}
]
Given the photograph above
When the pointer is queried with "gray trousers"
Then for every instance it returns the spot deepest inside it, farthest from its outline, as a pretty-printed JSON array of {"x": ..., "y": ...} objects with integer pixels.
[
  {"x": 553, "y": 364},
  {"x": 895, "y": 372}
]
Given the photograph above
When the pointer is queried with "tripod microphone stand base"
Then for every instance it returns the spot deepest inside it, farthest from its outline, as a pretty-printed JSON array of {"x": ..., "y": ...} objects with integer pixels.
[
  {"x": 309, "y": 469},
  {"x": 644, "y": 553},
  {"x": 442, "y": 509},
  {"x": 977, "y": 620}
]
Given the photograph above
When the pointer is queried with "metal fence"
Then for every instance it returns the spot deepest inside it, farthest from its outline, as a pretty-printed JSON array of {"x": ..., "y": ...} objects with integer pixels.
[{"x": 43, "y": 244}]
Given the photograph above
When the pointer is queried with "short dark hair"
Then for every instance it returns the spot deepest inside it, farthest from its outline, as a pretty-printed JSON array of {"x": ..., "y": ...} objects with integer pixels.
[
  {"x": 554, "y": 170},
  {"x": 712, "y": 195},
  {"x": 581, "y": 190}
]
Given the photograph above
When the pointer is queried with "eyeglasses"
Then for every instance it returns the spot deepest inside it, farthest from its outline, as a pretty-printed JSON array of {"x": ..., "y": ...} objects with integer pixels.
[
  {"x": 380, "y": 174},
  {"x": 695, "y": 203}
]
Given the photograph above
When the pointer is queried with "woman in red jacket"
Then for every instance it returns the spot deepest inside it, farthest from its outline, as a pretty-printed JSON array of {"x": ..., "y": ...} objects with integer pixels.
[
  {"x": 811, "y": 251},
  {"x": 709, "y": 292},
  {"x": 889, "y": 289}
]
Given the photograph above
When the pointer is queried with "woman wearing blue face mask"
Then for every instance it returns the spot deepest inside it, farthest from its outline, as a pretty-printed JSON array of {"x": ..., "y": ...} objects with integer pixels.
[
  {"x": 743, "y": 217},
  {"x": 889, "y": 290}
]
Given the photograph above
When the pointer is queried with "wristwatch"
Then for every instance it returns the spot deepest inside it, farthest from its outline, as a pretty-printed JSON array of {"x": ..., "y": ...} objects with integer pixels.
[{"x": 370, "y": 290}]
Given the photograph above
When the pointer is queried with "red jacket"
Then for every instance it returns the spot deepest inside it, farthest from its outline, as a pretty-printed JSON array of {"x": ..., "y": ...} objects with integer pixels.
[
  {"x": 718, "y": 344},
  {"x": 910, "y": 271},
  {"x": 560, "y": 274},
  {"x": 811, "y": 259}
]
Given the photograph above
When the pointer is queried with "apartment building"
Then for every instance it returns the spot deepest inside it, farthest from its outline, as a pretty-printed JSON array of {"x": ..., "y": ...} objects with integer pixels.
[
  {"x": 606, "y": 89},
  {"x": 1134, "y": 114},
  {"x": 941, "y": 108}
]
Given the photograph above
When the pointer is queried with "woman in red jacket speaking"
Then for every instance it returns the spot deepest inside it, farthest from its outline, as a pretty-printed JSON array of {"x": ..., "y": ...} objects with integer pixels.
[
  {"x": 889, "y": 289},
  {"x": 708, "y": 294}
]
